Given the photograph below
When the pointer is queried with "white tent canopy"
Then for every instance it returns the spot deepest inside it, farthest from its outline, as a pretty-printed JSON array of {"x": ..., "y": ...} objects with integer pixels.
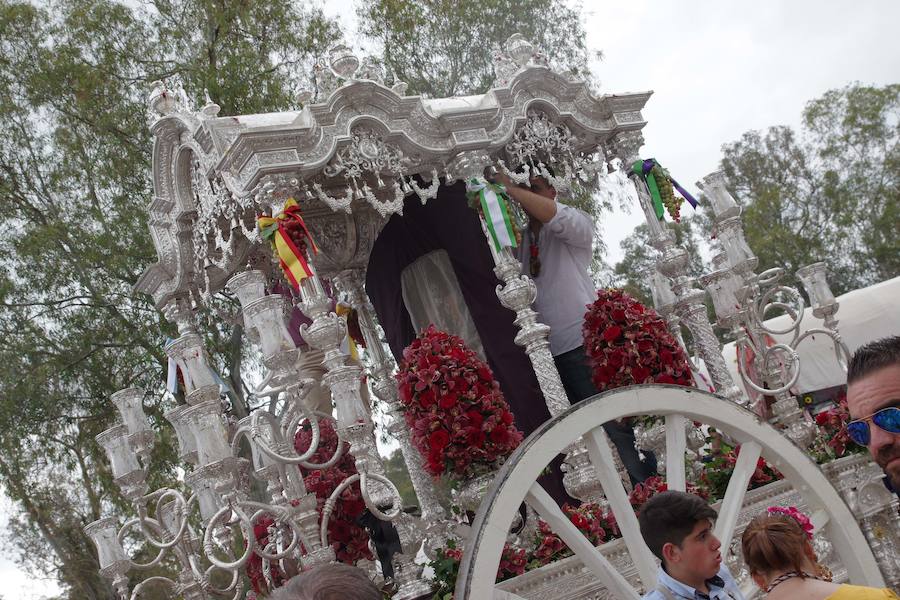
[{"x": 864, "y": 315}]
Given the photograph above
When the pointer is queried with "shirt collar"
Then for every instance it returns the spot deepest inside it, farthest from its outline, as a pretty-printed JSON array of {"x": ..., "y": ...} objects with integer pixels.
[{"x": 686, "y": 591}]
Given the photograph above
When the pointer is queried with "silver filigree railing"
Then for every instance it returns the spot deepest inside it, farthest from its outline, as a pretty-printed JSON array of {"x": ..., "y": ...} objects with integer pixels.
[{"x": 220, "y": 478}]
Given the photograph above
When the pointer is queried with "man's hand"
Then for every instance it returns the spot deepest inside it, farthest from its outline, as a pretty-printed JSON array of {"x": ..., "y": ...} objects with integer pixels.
[{"x": 503, "y": 179}]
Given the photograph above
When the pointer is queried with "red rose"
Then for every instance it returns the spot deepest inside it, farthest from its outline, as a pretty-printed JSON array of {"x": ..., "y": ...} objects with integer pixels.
[
  {"x": 439, "y": 439},
  {"x": 499, "y": 435},
  {"x": 612, "y": 333},
  {"x": 447, "y": 401},
  {"x": 475, "y": 437}
]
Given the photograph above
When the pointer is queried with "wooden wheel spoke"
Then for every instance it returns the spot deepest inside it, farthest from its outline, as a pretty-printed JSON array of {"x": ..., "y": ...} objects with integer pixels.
[
  {"x": 548, "y": 510},
  {"x": 734, "y": 494},
  {"x": 605, "y": 470},
  {"x": 676, "y": 444}
]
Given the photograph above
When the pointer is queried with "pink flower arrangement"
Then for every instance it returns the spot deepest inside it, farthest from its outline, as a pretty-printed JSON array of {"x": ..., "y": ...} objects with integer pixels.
[
  {"x": 628, "y": 343},
  {"x": 792, "y": 511},
  {"x": 459, "y": 419}
]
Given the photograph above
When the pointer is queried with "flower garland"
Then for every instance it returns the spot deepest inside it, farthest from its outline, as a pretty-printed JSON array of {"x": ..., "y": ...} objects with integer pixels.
[
  {"x": 459, "y": 419},
  {"x": 791, "y": 511},
  {"x": 627, "y": 343}
]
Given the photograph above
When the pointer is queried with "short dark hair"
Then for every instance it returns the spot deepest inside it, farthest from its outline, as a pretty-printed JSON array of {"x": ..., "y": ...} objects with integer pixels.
[
  {"x": 669, "y": 517},
  {"x": 874, "y": 356},
  {"x": 329, "y": 582}
]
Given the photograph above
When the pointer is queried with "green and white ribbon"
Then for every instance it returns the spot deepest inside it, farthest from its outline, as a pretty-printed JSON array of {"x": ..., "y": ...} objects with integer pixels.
[{"x": 494, "y": 207}]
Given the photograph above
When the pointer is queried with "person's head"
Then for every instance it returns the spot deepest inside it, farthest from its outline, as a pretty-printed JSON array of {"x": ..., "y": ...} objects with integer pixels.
[
  {"x": 774, "y": 544},
  {"x": 873, "y": 397},
  {"x": 538, "y": 183},
  {"x": 677, "y": 527},
  {"x": 329, "y": 582},
  {"x": 542, "y": 187}
]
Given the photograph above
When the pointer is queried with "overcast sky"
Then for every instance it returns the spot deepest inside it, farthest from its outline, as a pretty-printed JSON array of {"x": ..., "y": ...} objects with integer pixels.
[{"x": 717, "y": 69}]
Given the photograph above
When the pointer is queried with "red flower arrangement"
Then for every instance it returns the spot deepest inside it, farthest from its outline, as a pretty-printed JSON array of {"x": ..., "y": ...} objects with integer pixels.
[
  {"x": 349, "y": 540},
  {"x": 720, "y": 465},
  {"x": 651, "y": 486},
  {"x": 255, "y": 565},
  {"x": 832, "y": 440},
  {"x": 459, "y": 419},
  {"x": 596, "y": 525},
  {"x": 628, "y": 343},
  {"x": 513, "y": 562}
]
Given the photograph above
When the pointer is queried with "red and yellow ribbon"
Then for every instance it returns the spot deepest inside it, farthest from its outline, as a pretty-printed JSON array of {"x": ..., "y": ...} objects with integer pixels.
[{"x": 292, "y": 260}]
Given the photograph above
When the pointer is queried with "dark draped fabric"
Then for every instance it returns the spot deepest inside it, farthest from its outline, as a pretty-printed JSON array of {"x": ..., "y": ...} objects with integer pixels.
[{"x": 447, "y": 222}]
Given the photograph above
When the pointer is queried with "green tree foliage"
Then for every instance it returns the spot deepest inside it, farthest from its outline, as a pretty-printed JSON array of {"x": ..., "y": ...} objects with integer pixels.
[
  {"x": 396, "y": 471},
  {"x": 829, "y": 193},
  {"x": 442, "y": 48},
  {"x": 640, "y": 257},
  {"x": 74, "y": 157}
]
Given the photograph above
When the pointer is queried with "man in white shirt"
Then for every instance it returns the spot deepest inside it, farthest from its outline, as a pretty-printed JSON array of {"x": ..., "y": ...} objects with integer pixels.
[{"x": 556, "y": 251}]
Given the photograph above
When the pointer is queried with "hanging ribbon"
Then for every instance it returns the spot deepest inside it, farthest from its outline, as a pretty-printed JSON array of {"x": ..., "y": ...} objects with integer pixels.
[
  {"x": 349, "y": 344},
  {"x": 172, "y": 375},
  {"x": 644, "y": 169},
  {"x": 493, "y": 201},
  {"x": 292, "y": 259}
]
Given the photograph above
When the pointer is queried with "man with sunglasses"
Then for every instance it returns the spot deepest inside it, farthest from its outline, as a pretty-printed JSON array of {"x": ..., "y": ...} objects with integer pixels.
[{"x": 873, "y": 397}]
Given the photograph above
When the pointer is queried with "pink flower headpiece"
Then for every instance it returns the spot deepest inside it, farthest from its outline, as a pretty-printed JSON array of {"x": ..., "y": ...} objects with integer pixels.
[{"x": 791, "y": 511}]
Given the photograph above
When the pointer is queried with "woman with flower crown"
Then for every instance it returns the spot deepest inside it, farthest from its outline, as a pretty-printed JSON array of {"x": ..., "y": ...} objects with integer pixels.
[{"x": 778, "y": 551}]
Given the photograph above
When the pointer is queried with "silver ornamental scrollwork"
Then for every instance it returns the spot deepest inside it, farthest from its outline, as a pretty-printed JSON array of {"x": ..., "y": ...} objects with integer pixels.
[
  {"x": 542, "y": 147},
  {"x": 366, "y": 153}
]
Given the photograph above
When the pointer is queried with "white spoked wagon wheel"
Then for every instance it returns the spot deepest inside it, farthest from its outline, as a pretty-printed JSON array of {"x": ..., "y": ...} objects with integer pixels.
[{"x": 517, "y": 482}]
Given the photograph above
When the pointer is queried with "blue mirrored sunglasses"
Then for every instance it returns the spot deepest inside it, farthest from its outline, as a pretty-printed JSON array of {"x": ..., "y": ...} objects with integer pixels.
[{"x": 886, "y": 418}]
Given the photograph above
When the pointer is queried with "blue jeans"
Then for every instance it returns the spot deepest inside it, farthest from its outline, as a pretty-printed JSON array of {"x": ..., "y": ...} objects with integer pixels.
[{"x": 576, "y": 379}]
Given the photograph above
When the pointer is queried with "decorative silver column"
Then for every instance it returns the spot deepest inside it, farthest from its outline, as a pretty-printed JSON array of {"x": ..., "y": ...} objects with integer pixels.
[
  {"x": 517, "y": 293},
  {"x": 381, "y": 370},
  {"x": 408, "y": 574},
  {"x": 326, "y": 333},
  {"x": 673, "y": 263}
]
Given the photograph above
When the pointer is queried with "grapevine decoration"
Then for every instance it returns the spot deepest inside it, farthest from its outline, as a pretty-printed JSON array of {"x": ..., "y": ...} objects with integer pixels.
[{"x": 662, "y": 188}]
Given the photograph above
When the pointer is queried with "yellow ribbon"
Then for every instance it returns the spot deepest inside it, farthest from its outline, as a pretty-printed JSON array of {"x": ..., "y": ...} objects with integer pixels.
[{"x": 343, "y": 311}]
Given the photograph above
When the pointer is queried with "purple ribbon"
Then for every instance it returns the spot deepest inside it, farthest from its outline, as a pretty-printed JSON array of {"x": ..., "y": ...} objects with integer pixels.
[{"x": 648, "y": 165}]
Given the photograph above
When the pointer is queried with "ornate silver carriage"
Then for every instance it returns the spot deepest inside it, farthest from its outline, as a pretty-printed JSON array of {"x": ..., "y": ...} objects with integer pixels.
[{"x": 354, "y": 157}]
